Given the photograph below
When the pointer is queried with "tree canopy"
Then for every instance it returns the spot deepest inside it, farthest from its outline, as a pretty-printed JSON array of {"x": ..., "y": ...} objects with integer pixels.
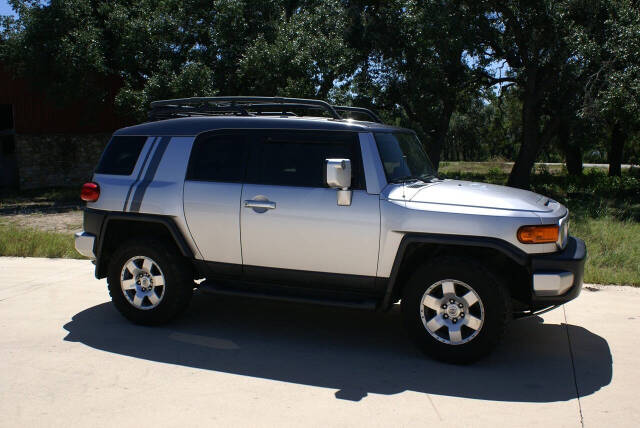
[{"x": 476, "y": 79}]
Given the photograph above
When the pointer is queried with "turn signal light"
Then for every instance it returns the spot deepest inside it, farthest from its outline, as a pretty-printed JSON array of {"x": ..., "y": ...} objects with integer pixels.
[
  {"x": 90, "y": 192},
  {"x": 543, "y": 234}
]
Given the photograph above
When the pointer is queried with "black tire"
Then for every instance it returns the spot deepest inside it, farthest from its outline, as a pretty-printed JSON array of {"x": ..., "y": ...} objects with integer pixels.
[
  {"x": 494, "y": 299},
  {"x": 178, "y": 278}
]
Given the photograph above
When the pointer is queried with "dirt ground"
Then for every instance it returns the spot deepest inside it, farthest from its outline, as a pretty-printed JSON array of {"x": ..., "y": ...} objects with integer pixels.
[
  {"x": 62, "y": 222},
  {"x": 51, "y": 210}
]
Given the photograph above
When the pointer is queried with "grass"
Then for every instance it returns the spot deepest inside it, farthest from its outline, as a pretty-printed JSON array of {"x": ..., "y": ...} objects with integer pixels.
[
  {"x": 28, "y": 242},
  {"x": 613, "y": 250},
  {"x": 504, "y": 167}
]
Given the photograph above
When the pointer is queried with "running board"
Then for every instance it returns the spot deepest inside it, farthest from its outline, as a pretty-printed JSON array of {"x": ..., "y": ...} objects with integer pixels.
[{"x": 211, "y": 288}]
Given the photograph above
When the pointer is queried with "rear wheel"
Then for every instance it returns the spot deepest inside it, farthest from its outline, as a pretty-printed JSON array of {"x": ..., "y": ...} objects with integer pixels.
[
  {"x": 455, "y": 310},
  {"x": 149, "y": 282}
]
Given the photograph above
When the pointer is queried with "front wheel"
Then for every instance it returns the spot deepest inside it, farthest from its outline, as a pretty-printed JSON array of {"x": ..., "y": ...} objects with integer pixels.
[
  {"x": 149, "y": 282},
  {"x": 455, "y": 310}
]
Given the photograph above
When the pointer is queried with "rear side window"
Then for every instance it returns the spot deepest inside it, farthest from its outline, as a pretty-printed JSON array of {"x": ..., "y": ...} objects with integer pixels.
[
  {"x": 121, "y": 155},
  {"x": 218, "y": 158},
  {"x": 298, "y": 158}
]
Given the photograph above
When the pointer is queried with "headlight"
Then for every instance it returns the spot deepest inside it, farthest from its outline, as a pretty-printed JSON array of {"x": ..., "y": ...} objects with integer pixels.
[{"x": 539, "y": 234}]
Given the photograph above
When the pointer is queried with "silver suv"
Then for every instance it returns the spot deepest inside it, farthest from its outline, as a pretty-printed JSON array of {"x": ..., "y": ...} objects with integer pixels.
[{"x": 245, "y": 196}]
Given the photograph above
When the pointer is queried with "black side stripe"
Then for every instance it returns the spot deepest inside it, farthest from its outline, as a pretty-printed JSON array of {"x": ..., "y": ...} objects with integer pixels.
[
  {"x": 144, "y": 163},
  {"x": 149, "y": 175}
]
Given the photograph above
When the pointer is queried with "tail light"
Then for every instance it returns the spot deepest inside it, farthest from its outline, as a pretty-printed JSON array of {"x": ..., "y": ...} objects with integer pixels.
[
  {"x": 90, "y": 192},
  {"x": 542, "y": 234}
]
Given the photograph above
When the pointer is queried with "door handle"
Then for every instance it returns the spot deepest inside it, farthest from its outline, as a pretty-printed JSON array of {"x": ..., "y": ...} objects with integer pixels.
[{"x": 265, "y": 205}]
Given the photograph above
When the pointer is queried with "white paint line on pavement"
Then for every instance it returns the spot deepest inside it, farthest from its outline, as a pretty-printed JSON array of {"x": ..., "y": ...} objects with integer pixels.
[{"x": 573, "y": 364}]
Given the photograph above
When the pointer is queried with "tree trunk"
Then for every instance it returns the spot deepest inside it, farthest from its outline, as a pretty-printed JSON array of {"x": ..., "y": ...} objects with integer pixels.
[
  {"x": 521, "y": 173},
  {"x": 618, "y": 138},
  {"x": 325, "y": 87},
  {"x": 436, "y": 146},
  {"x": 573, "y": 156},
  {"x": 572, "y": 152}
]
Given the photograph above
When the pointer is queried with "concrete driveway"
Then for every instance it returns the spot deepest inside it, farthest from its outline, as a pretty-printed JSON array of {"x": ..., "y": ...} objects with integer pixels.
[{"x": 67, "y": 358}]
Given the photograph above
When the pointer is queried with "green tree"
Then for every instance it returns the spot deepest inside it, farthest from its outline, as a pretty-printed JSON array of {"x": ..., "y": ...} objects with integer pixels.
[
  {"x": 306, "y": 56},
  {"x": 570, "y": 66},
  {"x": 613, "y": 86},
  {"x": 535, "y": 40},
  {"x": 412, "y": 63},
  {"x": 486, "y": 128},
  {"x": 159, "y": 48}
]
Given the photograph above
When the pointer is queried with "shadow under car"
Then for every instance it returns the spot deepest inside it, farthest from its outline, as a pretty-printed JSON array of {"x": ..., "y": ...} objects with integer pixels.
[{"x": 355, "y": 352}]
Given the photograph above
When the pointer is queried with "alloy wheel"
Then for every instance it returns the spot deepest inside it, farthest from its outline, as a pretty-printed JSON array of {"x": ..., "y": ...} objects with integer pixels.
[
  {"x": 142, "y": 282},
  {"x": 452, "y": 312}
]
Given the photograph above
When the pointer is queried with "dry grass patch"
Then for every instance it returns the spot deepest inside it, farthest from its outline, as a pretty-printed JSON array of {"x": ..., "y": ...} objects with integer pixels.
[{"x": 29, "y": 242}]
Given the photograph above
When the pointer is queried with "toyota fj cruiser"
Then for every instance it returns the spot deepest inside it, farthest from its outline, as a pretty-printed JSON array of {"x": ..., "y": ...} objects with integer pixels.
[{"x": 245, "y": 196}]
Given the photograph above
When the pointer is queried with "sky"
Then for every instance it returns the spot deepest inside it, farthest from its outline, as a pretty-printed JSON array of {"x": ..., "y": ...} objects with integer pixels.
[{"x": 5, "y": 9}]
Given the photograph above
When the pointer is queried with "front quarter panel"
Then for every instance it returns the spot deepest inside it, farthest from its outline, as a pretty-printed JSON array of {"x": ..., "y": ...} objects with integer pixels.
[{"x": 399, "y": 217}]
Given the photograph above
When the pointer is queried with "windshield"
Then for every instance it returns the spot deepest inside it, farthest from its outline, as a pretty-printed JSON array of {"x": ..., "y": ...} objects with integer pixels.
[{"x": 403, "y": 157}]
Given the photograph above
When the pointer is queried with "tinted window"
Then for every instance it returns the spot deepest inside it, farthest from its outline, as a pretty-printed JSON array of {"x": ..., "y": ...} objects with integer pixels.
[
  {"x": 298, "y": 158},
  {"x": 218, "y": 158},
  {"x": 120, "y": 156}
]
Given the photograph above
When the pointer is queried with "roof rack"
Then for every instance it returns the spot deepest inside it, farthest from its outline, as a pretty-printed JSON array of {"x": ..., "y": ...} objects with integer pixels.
[
  {"x": 245, "y": 106},
  {"x": 362, "y": 110}
]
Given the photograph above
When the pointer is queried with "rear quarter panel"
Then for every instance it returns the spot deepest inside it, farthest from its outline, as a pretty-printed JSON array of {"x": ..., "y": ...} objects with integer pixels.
[{"x": 155, "y": 185}]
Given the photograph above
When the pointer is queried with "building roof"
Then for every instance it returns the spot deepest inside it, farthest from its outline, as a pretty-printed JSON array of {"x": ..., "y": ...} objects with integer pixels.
[{"x": 192, "y": 126}]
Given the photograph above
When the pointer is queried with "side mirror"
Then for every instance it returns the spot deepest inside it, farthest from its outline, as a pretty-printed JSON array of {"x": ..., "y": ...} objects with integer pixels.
[{"x": 338, "y": 176}]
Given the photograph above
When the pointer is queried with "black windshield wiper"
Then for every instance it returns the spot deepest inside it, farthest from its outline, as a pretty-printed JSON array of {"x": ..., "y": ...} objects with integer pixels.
[
  {"x": 405, "y": 179},
  {"x": 428, "y": 178}
]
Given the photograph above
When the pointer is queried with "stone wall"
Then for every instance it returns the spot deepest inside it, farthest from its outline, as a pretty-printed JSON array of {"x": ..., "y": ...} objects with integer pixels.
[{"x": 57, "y": 160}]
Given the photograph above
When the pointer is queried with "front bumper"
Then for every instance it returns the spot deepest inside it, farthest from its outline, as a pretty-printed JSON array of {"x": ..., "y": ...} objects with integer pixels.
[
  {"x": 557, "y": 277},
  {"x": 84, "y": 243}
]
